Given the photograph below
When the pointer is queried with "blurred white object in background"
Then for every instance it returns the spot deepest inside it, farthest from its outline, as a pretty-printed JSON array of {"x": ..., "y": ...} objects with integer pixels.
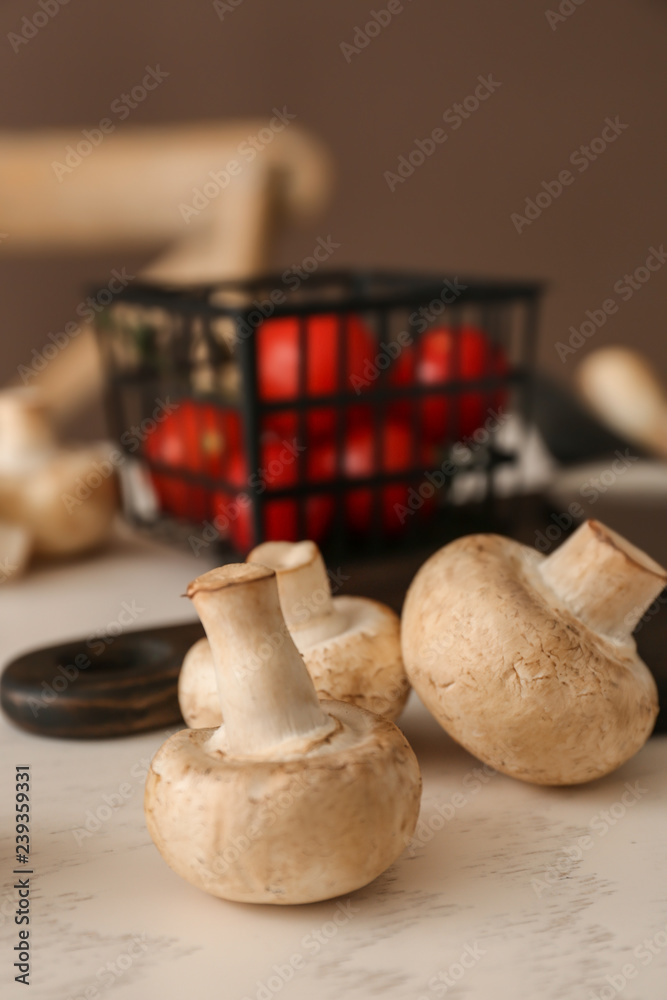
[{"x": 533, "y": 468}]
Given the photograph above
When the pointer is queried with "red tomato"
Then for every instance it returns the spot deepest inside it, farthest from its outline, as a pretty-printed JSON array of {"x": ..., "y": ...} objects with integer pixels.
[
  {"x": 465, "y": 354},
  {"x": 278, "y": 350},
  {"x": 443, "y": 354},
  {"x": 397, "y": 454},
  {"x": 200, "y": 439},
  {"x": 195, "y": 439},
  {"x": 279, "y": 469}
]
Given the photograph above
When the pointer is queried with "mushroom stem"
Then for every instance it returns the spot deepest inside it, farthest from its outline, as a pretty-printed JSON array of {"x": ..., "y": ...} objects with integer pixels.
[
  {"x": 266, "y": 695},
  {"x": 606, "y": 581},
  {"x": 621, "y": 388},
  {"x": 303, "y": 585},
  {"x": 24, "y": 427}
]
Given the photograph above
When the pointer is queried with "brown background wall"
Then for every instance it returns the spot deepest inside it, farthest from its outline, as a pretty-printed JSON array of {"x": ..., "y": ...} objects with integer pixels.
[{"x": 558, "y": 86}]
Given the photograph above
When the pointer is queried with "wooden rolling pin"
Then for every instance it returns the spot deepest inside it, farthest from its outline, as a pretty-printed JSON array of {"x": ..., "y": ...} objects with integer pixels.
[{"x": 139, "y": 189}]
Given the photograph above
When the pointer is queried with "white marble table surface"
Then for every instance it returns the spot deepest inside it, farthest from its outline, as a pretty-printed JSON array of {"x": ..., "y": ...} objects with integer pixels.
[{"x": 507, "y": 891}]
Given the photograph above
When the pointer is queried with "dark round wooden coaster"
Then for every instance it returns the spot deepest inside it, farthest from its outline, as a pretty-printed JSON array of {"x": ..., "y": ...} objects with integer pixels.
[{"x": 76, "y": 691}]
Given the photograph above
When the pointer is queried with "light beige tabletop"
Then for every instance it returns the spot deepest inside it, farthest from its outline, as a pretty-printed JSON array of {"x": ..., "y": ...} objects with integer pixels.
[{"x": 507, "y": 890}]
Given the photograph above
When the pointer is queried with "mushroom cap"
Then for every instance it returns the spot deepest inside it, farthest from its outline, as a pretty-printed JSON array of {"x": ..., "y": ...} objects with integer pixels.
[
  {"x": 513, "y": 675},
  {"x": 293, "y": 828},
  {"x": 35, "y": 497},
  {"x": 361, "y": 664}
]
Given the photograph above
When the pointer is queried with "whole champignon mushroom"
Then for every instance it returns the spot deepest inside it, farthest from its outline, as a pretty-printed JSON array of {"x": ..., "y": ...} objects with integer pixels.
[
  {"x": 41, "y": 482},
  {"x": 351, "y": 645},
  {"x": 529, "y": 662},
  {"x": 291, "y": 800}
]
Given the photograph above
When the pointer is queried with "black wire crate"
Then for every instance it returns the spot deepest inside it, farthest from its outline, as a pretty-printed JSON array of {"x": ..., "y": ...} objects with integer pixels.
[{"x": 348, "y": 409}]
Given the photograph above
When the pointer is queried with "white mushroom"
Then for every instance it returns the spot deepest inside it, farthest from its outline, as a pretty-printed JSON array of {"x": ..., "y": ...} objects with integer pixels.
[
  {"x": 529, "y": 662},
  {"x": 64, "y": 499},
  {"x": 15, "y": 543},
  {"x": 351, "y": 645},
  {"x": 620, "y": 387},
  {"x": 291, "y": 800}
]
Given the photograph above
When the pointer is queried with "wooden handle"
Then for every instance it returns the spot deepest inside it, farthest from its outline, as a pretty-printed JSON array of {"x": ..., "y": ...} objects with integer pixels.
[{"x": 128, "y": 191}]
